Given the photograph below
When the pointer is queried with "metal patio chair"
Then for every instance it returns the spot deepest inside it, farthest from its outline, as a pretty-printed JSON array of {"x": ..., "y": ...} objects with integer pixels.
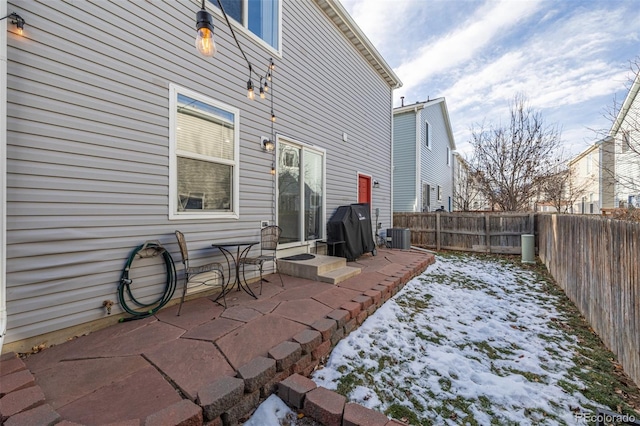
[
  {"x": 269, "y": 236},
  {"x": 199, "y": 275}
]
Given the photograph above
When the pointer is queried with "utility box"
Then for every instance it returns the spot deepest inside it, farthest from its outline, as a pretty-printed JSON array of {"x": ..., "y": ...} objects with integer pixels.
[
  {"x": 399, "y": 238},
  {"x": 528, "y": 243}
]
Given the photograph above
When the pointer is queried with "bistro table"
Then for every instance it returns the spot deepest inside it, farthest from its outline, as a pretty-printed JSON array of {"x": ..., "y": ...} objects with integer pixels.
[{"x": 240, "y": 253}]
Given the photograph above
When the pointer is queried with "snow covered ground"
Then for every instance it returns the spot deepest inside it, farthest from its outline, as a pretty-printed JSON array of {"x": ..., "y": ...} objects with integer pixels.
[{"x": 468, "y": 341}]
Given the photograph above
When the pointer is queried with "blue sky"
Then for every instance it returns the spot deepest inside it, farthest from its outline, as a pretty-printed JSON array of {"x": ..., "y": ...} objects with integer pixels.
[{"x": 571, "y": 58}]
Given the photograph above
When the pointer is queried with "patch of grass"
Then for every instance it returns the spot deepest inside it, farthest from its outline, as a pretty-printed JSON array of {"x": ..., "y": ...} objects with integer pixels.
[
  {"x": 451, "y": 408},
  {"x": 445, "y": 384},
  {"x": 532, "y": 377},
  {"x": 415, "y": 303},
  {"x": 436, "y": 338},
  {"x": 400, "y": 412},
  {"x": 487, "y": 349},
  {"x": 348, "y": 382},
  {"x": 386, "y": 360}
]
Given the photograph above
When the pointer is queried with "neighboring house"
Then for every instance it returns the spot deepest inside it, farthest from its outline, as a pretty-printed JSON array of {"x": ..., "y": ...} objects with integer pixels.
[
  {"x": 625, "y": 133},
  {"x": 590, "y": 188},
  {"x": 118, "y": 131},
  {"x": 422, "y": 157},
  {"x": 466, "y": 191}
]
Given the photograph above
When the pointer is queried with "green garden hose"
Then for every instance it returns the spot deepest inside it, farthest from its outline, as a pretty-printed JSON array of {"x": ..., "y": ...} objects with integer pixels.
[{"x": 148, "y": 249}]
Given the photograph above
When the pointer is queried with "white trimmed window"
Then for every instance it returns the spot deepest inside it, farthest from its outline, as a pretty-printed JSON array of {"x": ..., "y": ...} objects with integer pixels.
[
  {"x": 204, "y": 161},
  {"x": 260, "y": 17},
  {"x": 427, "y": 134},
  {"x": 439, "y": 193},
  {"x": 448, "y": 156}
]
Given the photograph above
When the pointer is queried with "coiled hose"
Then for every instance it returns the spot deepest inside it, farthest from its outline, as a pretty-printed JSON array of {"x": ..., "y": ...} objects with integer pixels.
[{"x": 148, "y": 249}]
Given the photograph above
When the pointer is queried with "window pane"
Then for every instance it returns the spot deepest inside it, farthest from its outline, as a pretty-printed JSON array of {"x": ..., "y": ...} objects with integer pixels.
[
  {"x": 263, "y": 20},
  {"x": 312, "y": 195},
  {"x": 203, "y": 185},
  {"x": 204, "y": 129},
  {"x": 289, "y": 192},
  {"x": 233, "y": 8}
]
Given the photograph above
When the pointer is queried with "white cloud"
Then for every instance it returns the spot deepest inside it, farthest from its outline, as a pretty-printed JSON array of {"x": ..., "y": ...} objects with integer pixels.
[
  {"x": 464, "y": 43},
  {"x": 383, "y": 20},
  {"x": 569, "y": 59}
]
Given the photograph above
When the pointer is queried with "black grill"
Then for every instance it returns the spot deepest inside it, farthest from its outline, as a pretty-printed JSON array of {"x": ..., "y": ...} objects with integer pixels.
[{"x": 352, "y": 224}]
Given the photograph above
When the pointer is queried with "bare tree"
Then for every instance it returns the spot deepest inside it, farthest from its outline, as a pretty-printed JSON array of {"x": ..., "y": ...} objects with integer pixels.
[
  {"x": 513, "y": 161},
  {"x": 466, "y": 191},
  {"x": 561, "y": 188}
]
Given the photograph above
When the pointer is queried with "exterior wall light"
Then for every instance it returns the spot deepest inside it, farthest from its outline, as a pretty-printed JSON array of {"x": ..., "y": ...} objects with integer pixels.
[
  {"x": 16, "y": 20},
  {"x": 268, "y": 145},
  {"x": 376, "y": 184}
]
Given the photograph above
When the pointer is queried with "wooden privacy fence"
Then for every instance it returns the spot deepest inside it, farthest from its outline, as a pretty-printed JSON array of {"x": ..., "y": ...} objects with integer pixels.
[
  {"x": 476, "y": 232},
  {"x": 596, "y": 262}
]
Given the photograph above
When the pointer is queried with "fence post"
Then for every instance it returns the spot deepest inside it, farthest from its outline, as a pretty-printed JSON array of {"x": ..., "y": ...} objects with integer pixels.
[
  {"x": 532, "y": 224},
  {"x": 487, "y": 231},
  {"x": 437, "y": 231}
]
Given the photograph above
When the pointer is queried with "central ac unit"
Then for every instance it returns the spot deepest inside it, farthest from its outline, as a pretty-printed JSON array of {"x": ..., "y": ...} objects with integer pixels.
[{"x": 399, "y": 238}]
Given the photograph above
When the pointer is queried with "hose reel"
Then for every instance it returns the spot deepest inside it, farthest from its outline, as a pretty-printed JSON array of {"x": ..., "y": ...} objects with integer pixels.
[{"x": 149, "y": 249}]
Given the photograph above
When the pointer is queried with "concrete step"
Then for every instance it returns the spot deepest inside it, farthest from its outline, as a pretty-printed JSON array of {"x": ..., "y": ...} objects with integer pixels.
[
  {"x": 338, "y": 275},
  {"x": 313, "y": 269}
]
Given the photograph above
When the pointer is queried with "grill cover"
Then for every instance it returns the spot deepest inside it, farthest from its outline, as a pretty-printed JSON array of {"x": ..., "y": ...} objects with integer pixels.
[{"x": 352, "y": 224}]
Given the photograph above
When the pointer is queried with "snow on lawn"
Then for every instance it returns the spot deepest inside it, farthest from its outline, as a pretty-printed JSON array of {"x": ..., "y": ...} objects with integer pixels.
[
  {"x": 272, "y": 412},
  {"x": 468, "y": 341}
]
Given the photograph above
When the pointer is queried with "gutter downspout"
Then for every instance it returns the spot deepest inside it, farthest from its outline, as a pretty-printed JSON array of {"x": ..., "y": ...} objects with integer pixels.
[
  {"x": 3, "y": 173},
  {"x": 418, "y": 180},
  {"x": 393, "y": 167}
]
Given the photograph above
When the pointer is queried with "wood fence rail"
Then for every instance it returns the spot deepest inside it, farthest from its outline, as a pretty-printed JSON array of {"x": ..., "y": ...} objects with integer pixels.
[
  {"x": 475, "y": 232},
  {"x": 596, "y": 261}
]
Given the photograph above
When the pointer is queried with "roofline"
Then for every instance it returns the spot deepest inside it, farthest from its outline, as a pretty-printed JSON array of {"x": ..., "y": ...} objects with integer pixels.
[
  {"x": 341, "y": 18},
  {"x": 445, "y": 110},
  {"x": 422, "y": 105},
  {"x": 626, "y": 106},
  {"x": 409, "y": 108},
  {"x": 581, "y": 155}
]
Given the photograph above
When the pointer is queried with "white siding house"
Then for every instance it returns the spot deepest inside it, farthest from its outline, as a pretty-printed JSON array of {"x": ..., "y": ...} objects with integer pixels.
[
  {"x": 118, "y": 131},
  {"x": 423, "y": 148},
  {"x": 625, "y": 133},
  {"x": 591, "y": 185}
]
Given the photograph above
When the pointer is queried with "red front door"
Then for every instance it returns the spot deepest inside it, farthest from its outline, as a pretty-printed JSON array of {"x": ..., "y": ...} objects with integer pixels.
[{"x": 364, "y": 189}]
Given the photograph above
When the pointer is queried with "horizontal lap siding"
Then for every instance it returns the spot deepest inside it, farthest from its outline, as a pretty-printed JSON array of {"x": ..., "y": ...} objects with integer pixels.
[
  {"x": 434, "y": 168},
  {"x": 88, "y": 117},
  {"x": 332, "y": 91},
  {"x": 628, "y": 162},
  {"x": 404, "y": 162}
]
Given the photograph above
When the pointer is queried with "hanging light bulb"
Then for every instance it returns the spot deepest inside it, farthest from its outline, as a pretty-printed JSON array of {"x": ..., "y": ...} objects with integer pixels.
[
  {"x": 269, "y": 74},
  {"x": 250, "y": 93},
  {"x": 262, "y": 95},
  {"x": 204, "y": 39},
  {"x": 273, "y": 117},
  {"x": 272, "y": 65},
  {"x": 273, "y": 169},
  {"x": 266, "y": 86}
]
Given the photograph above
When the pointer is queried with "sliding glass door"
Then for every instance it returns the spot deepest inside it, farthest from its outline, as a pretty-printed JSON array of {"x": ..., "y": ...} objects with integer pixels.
[{"x": 301, "y": 188}]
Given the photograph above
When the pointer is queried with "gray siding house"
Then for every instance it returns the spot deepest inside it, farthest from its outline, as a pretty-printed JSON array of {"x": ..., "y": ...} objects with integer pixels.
[
  {"x": 118, "y": 131},
  {"x": 423, "y": 148}
]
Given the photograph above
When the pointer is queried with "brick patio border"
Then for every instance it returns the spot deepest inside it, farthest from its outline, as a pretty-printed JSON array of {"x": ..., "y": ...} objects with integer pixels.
[{"x": 227, "y": 401}]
